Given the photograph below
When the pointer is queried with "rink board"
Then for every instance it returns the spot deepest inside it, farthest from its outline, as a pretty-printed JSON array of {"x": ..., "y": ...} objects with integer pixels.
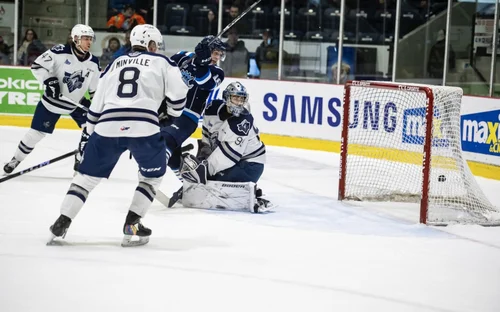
[{"x": 290, "y": 114}]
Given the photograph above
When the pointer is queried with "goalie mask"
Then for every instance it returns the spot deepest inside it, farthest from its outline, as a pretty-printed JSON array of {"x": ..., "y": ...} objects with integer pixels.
[
  {"x": 236, "y": 97},
  {"x": 145, "y": 35},
  {"x": 83, "y": 36}
]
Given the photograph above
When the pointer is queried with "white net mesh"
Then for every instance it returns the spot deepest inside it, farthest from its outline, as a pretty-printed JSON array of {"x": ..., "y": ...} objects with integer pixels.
[{"x": 385, "y": 154}]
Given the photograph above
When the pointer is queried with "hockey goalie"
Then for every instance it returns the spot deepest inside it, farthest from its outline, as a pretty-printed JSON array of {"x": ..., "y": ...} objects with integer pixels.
[{"x": 230, "y": 158}]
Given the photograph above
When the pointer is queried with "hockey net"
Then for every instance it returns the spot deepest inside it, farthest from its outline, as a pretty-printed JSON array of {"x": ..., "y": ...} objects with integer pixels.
[{"x": 402, "y": 143}]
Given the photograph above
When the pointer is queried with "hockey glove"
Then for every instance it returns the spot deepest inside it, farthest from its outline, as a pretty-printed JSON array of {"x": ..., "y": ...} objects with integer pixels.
[
  {"x": 204, "y": 151},
  {"x": 194, "y": 170},
  {"x": 203, "y": 55},
  {"x": 52, "y": 88},
  {"x": 83, "y": 142},
  {"x": 85, "y": 102}
]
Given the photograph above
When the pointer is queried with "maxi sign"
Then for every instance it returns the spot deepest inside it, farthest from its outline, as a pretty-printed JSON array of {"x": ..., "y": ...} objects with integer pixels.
[
  {"x": 19, "y": 91},
  {"x": 414, "y": 124},
  {"x": 481, "y": 132}
]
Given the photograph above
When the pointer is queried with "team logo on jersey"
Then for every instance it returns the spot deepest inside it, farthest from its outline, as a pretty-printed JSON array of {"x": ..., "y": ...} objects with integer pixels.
[
  {"x": 187, "y": 78},
  {"x": 244, "y": 126},
  {"x": 123, "y": 128},
  {"x": 67, "y": 62},
  {"x": 46, "y": 57},
  {"x": 74, "y": 80}
]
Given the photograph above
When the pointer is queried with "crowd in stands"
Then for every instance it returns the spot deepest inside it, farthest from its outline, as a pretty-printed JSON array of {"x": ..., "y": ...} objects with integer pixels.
[{"x": 368, "y": 21}]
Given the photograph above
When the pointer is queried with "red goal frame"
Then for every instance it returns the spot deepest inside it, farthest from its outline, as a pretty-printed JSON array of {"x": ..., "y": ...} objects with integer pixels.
[{"x": 429, "y": 113}]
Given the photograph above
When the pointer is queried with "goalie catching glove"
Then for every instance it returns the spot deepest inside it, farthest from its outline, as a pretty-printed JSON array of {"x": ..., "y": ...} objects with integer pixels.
[{"x": 193, "y": 169}]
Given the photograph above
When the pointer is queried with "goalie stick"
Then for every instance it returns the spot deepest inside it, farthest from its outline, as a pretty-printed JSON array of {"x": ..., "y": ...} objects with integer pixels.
[{"x": 45, "y": 163}]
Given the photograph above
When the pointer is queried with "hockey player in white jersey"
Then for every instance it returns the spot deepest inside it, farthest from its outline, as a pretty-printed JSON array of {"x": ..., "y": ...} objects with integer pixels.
[
  {"x": 68, "y": 72},
  {"x": 230, "y": 160},
  {"x": 123, "y": 116}
]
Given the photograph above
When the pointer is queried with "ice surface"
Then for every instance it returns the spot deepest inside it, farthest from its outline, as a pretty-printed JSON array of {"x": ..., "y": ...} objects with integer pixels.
[{"x": 312, "y": 254}]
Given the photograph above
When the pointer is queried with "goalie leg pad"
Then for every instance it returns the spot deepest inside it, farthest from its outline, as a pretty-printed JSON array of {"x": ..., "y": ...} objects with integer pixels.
[{"x": 216, "y": 194}]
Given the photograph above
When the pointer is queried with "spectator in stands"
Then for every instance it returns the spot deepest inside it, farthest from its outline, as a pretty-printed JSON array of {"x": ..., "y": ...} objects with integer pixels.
[
  {"x": 241, "y": 26},
  {"x": 142, "y": 7},
  {"x": 108, "y": 53},
  {"x": 126, "y": 48},
  {"x": 236, "y": 62},
  {"x": 268, "y": 50},
  {"x": 435, "y": 65},
  {"x": 212, "y": 24},
  {"x": 345, "y": 73},
  {"x": 4, "y": 52},
  {"x": 69, "y": 39},
  {"x": 125, "y": 20},
  {"x": 30, "y": 48},
  {"x": 424, "y": 8}
]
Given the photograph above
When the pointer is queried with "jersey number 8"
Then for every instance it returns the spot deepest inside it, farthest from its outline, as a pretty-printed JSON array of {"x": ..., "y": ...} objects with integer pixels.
[{"x": 128, "y": 82}]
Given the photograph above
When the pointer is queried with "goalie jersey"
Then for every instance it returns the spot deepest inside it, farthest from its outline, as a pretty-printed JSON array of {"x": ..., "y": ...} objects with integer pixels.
[
  {"x": 75, "y": 77},
  {"x": 130, "y": 92},
  {"x": 232, "y": 139}
]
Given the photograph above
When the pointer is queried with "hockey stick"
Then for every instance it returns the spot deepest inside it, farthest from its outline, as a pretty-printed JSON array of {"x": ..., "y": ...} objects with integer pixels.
[
  {"x": 224, "y": 30},
  {"x": 236, "y": 20},
  {"x": 164, "y": 199},
  {"x": 45, "y": 163}
]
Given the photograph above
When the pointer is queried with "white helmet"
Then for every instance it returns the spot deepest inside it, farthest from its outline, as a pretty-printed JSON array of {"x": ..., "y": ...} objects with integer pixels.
[
  {"x": 142, "y": 35},
  {"x": 80, "y": 30}
]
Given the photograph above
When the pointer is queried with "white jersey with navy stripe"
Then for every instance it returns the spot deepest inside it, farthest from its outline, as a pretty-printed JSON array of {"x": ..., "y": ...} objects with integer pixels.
[
  {"x": 75, "y": 77},
  {"x": 232, "y": 139},
  {"x": 130, "y": 92}
]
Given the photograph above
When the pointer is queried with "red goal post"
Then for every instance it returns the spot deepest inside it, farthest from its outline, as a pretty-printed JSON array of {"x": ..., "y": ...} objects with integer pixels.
[{"x": 417, "y": 158}]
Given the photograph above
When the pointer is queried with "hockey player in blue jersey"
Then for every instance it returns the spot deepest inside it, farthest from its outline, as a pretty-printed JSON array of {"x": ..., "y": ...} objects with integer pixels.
[
  {"x": 67, "y": 72},
  {"x": 201, "y": 75},
  {"x": 124, "y": 116},
  {"x": 230, "y": 160}
]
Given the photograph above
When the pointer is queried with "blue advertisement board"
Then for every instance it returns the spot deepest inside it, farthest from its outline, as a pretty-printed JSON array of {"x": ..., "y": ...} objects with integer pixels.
[{"x": 481, "y": 132}]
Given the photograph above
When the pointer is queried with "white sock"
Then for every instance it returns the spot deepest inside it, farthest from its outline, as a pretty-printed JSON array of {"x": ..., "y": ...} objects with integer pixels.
[
  {"x": 73, "y": 201},
  {"x": 78, "y": 192},
  {"x": 143, "y": 197},
  {"x": 27, "y": 144}
]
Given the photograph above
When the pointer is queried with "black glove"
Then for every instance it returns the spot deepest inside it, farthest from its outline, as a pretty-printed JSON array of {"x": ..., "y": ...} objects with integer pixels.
[
  {"x": 52, "y": 88},
  {"x": 204, "y": 151},
  {"x": 203, "y": 55},
  {"x": 83, "y": 141},
  {"x": 85, "y": 102}
]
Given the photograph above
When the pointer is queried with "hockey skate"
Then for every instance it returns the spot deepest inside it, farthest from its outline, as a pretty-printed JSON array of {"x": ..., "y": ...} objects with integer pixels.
[
  {"x": 133, "y": 227},
  {"x": 59, "y": 229},
  {"x": 11, "y": 165},
  {"x": 262, "y": 205}
]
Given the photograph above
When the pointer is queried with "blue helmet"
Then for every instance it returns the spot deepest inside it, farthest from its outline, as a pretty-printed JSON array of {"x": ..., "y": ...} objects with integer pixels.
[
  {"x": 236, "y": 97},
  {"x": 214, "y": 43}
]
